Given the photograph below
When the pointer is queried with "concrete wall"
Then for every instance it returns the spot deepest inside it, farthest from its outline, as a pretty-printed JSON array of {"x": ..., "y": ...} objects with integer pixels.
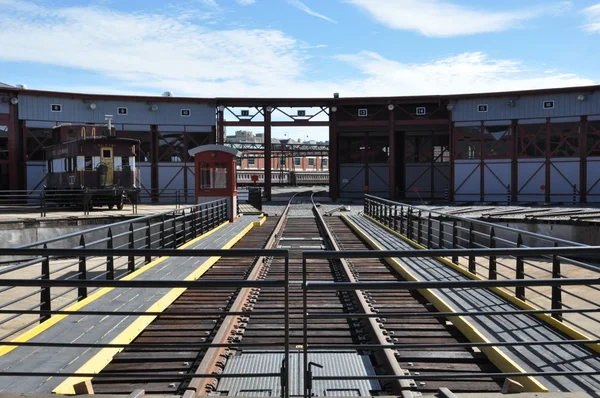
[
  {"x": 530, "y": 106},
  {"x": 138, "y": 112},
  {"x": 18, "y": 234}
]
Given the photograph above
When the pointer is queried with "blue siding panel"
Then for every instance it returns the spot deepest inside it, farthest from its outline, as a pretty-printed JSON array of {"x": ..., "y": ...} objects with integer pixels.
[
  {"x": 530, "y": 106},
  {"x": 78, "y": 111}
]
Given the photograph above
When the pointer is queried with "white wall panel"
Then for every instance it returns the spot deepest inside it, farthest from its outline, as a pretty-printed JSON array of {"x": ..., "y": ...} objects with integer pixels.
[
  {"x": 144, "y": 177},
  {"x": 564, "y": 175},
  {"x": 496, "y": 174},
  {"x": 531, "y": 177},
  {"x": 593, "y": 179},
  {"x": 467, "y": 180},
  {"x": 379, "y": 178},
  {"x": 36, "y": 175},
  {"x": 352, "y": 181}
]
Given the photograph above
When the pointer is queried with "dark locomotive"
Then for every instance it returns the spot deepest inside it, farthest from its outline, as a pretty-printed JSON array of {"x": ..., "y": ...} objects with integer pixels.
[{"x": 90, "y": 166}]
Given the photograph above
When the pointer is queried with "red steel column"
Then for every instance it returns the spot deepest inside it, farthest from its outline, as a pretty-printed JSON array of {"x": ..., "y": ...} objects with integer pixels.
[
  {"x": 13, "y": 147},
  {"x": 267, "y": 114},
  {"x": 548, "y": 157},
  {"x": 583, "y": 153},
  {"x": 334, "y": 189},
  {"x": 451, "y": 147},
  {"x": 154, "y": 162},
  {"x": 514, "y": 176},
  {"x": 392, "y": 154},
  {"x": 220, "y": 138}
]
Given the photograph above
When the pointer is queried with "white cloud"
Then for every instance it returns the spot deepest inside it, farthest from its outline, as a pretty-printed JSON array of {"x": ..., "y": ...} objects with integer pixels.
[
  {"x": 592, "y": 16},
  {"x": 443, "y": 18},
  {"x": 462, "y": 73},
  {"x": 301, "y": 6},
  {"x": 152, "y": 53},
  {"x": 246, "y": 2}
]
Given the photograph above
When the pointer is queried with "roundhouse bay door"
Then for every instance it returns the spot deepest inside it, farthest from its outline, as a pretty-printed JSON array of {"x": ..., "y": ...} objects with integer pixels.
[{"x": 107, "y": 160}]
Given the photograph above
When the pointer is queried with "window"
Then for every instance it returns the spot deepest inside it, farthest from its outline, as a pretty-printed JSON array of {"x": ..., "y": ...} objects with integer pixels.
[
  {"x": 205, "y": 176},
  {"x": 106, "y": 153},
  {"x": 220, "y": 175},
  {"x": 311, "y": 161},
  {"x": 125, "y": 161},
  {"x": 250, "y": 161},
  {"x": 70, "y": 133},
  {"x": 324, "y": 162},
  {"x": 297, "y": 161},
  {"x": 238, "y": 162},
  {"x": 88, "y": 163},
  {"x": 282, "y": 161}
]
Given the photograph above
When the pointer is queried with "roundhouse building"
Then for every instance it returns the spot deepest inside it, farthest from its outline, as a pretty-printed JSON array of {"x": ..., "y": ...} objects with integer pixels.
[{"x": 526, "y": 146}]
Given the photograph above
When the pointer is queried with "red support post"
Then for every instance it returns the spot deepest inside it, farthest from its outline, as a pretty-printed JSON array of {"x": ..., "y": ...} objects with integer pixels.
[
  {"x": 392, "y": 154},
  {"x": 583, "y": 153},
  {"x": 548, "y": 159},
  {"x": 268, "y": 146},
  {"x": 334, "y": 189},
  {"x": 220, "y": 138},
  {"x": 13, "y": 147},
  {"x": 514, "y": 177},
  {"x": 154, "y": 163}
]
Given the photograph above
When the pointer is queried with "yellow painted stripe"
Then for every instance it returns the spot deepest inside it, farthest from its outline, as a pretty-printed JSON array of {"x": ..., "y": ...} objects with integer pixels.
[
  {"x": 562, "y": 327},
  {"x": 495, "y": 355},
  {"x": 28, "y": 335},
  {"x": 105, "y": 355}
]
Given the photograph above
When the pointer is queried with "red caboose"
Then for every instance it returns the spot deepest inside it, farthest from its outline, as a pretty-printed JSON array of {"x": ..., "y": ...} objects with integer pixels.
[{"x": 216, "y": 175}]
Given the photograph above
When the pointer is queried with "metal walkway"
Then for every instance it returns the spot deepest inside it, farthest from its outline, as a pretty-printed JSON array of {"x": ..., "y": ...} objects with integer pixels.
[
  {"x": 88, "y": 329},
  {"x": 498, "y": 328}
]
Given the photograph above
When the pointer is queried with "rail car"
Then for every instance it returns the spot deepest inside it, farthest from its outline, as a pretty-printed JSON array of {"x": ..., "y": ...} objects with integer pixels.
[
  {"x": 90, "y": 165},
  {"x": 244, "y": 177}
]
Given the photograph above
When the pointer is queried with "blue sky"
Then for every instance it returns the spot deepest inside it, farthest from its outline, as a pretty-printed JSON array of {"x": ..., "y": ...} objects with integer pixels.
[{"x": 299, "y": 48}]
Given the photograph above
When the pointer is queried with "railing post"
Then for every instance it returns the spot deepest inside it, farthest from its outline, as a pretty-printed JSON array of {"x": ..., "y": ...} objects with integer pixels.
[
  {"x": 162, "y": 231},
  {"x": 472, "y": 265},
  {"x": 202, "y": 221},
  {"x": 366, "y": 206},
  {"x": 148, "y": 240},
  {"x": 419, "y": 229},
  {"x": 183, "y": 229},
  {"x": 174, "y": 230},
  {"x": 396, "y": 218},
  {"x": 402, "y": 220},
  {"x": 454, "y": 241},
  {"x": 131, "y": 259},
  {"x": 110, "y": 259},
  {"x": 492, "y": 265},
  {"x": 520, "y": 271},
  {"x": 194, "y": 213},
  {"x": 441, "y": 233},
  {"x": 556, "y": 290},
  {"x": 45, "y": 296},
  {"x": 429, "y": 231},
  {"x": 82, "y": 291}
]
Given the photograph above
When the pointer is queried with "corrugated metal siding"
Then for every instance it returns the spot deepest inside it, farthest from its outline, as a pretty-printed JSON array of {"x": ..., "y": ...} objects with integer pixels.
[
  {"x": 526, "y": 107},
  {"x": 346, "y": 363},
  {"x": 76, "y": 111}
]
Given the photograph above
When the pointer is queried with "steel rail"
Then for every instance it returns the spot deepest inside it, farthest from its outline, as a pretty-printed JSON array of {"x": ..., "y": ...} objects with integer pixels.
[{"x": 384, "y": 357}]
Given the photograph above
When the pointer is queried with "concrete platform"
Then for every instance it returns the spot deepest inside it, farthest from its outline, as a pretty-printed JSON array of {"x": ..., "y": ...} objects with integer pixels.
[
  {"x": 496, "y": 328},
  {"x": 113, "y": 329}
]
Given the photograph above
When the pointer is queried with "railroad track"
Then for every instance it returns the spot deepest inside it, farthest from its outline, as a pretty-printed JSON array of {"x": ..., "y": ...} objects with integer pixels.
[{"x": 300, "y": 228}]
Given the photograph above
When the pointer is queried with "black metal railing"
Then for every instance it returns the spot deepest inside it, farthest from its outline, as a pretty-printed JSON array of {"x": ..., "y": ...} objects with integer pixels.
[
  {"x": 167, "y": 230},
  {"x": 557, "y": 310},
  {"x": 88, "y": 284},
  {"x": 437, "y": 230}
]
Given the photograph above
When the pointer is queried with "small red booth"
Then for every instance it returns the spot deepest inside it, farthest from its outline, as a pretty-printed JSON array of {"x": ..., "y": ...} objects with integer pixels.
[{"x": 216, "y": 175}]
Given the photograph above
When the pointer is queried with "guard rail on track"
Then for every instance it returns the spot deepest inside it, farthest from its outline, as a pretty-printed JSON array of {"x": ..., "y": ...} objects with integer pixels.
[
  {"x": 558, "y": 309},
  {"x": 51, "y": 261},
  {"x": 436, "y": 230}
]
